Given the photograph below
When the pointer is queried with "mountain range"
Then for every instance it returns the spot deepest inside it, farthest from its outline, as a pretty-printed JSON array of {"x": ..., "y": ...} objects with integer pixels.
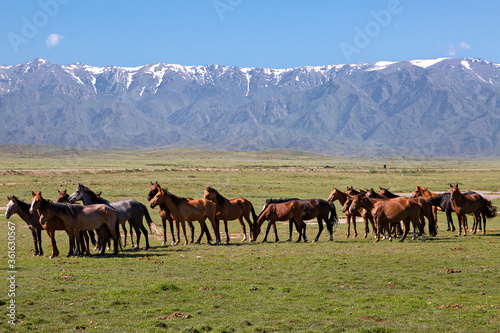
[{"x": 434, "y": 107}]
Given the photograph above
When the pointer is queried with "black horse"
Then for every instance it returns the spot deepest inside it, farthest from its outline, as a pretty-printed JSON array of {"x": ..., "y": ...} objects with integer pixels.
[
  {"x": 443, "y": 201},
  {"x": 320, "y": 209}
]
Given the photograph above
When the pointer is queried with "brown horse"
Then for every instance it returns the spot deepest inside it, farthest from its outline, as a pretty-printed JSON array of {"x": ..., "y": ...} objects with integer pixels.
[
  {"x": 234, "y": 209},
  {"x": 182, "y": 210},
  {"x": 474, "y": 204},
  {"x": 342, "y": 197},
  {"x": 426, "y": 212},
  {"x": 284, "y": 211},
  {"x": 77, "y": 218},
  {"x": 389, "y": 211},
  {"x": 88, "y": 236},
  {"x": 164, "y": 213}
]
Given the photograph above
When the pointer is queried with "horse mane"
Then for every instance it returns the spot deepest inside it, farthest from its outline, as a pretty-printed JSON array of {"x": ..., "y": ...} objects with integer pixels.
[
  {"x": 66, "y": 208},
  {"x": 280, "y": 200},
  {"x": 94, "y": 197},
  {"x": 220, "y": 199},
  {"x": 175, "y": 199}
]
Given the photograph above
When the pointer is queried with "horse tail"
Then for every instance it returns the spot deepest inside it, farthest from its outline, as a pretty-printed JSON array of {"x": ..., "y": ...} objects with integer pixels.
[
  {"x": 334, "y": 219},
  {"x": 489, "y": 210},
  {"x": 254, "y": 216},
  {"x": 432, "y": 222},
  {"x": 147, "y": 216}
]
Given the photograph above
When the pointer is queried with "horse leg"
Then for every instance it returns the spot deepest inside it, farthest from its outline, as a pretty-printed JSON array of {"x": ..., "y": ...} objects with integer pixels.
[
  {"x": 139, "y": 226},
  {"x": 320, "y": 228},
  {"x": 35, "y": 242},
  {"x": 275, "y": 232},
  {"x": 450, "y": 220},
  {"x": 302, "y": 232},
  {"x": 290, "y": 226},
  {"x": 86, "y": 243},
  {"x": 164, "y": 224},
  {"x": 267, "y": 231},
  {"x": 242, "y": 223},
  {"x": 348, "y": 218},
  {"x": 124, "y": 234},
  {"x": 377, "y": 231},
  {"x": 354, "y": 226},
  {"x": 406, "y": 228},
  {"x": 183, "y": 225},
  {"x": 191, "y": 228},
  {"x": 227, "y": 231},
  {"x": 55, "y": 250},
  {"x": 132, "y": 227}
]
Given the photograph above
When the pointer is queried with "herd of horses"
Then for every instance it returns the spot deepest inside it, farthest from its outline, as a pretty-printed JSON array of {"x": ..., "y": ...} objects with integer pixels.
[{"x": 383, "y": 210}]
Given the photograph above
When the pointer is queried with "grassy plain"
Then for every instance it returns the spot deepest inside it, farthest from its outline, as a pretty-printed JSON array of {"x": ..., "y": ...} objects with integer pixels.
[{"x": 350, "y": 285}]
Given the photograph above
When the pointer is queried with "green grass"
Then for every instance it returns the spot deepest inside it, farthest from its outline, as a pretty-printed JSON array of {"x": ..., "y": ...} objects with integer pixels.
[{"x": 349, "y": 285}]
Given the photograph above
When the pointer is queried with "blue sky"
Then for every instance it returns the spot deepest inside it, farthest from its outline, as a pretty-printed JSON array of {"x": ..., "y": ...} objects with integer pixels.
[{"x": 246, "y": 33}]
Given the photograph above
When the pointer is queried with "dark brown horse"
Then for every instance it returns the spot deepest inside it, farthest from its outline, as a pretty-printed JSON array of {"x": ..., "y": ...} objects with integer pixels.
[
  {"x": 182, "y": 210},
  {"x": 388, "y": 211},
  {"x": 319, "y": 209},
  {"x": 284, "y": 211},
  {"x": 470, "y": 204},
  {"x": 234, "y": 209},
  {"x": 21, "y": 208},
  {"x": 164, "y": 213},
  {"x": 77, "y": 218},
  {"x": 342, "y": 197}
]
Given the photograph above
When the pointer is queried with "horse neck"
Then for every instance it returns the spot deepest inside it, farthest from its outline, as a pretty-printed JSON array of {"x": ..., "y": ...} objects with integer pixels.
[
  {"x": 341, "y": 197},
  {"x": 23, "y": 210},
  {"x": 459, "y": 198},
  {"x": 426, "y": 194},
  {"x": 89, "y": 198}
]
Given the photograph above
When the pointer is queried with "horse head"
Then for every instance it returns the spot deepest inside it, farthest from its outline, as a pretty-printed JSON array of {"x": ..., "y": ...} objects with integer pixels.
[
  {"x": 418, "y": 192},
  {"x": 77, "y": 195},
  {"x": 36, "y": 201},
  {"x": 62, "y": 196},
  {"x": 155, "y": 200},
  {"x": 356, "y": 203},
  {"x": 11, "y": 206},
  {"x": 454, "y": 191},
  {"x": 153, "y": 190},
  {"x": 334, "y": 195}
]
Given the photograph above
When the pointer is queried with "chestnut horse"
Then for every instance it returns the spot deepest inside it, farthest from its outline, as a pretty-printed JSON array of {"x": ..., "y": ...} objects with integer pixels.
[
  {"x": 470, "y": 204},
  {"x": 284, "y": 211},
  {"x": 388, "y": 211},
  {"x": 342, "y": 197},
  {"x": 182, "y": 210},
  {"x": 234, "y": 209},
  {"x": 77, "y": 218},
  {"x": 164, "y": 213},
  {"x": 320, "y": 209}
]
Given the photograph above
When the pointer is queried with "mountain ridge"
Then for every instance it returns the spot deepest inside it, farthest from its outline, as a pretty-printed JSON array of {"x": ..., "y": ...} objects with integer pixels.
[{"x": 434, "y": 107}]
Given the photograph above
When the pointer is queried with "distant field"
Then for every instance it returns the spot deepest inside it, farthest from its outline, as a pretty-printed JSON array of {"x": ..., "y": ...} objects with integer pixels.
[{"x": 350, "y": 285}]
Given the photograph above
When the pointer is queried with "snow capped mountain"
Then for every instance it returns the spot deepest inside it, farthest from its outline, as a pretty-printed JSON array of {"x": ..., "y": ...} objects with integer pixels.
[{"x": 378, "y": 108}]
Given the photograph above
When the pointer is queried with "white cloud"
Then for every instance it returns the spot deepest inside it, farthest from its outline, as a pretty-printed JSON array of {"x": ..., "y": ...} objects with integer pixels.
[
  {"x": 53, "y": 40},
  {"x": 464, "y": 46},
  {"x": 452, "y": 51}
]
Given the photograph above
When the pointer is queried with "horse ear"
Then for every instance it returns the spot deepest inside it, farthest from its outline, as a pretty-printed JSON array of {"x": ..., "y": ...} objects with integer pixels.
[
  {"x": 33, "y": 193},
  {"x": 451, "y": 186},
  {"x": 58, "y": 191},
  {"x": 151, "y": 182}
]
